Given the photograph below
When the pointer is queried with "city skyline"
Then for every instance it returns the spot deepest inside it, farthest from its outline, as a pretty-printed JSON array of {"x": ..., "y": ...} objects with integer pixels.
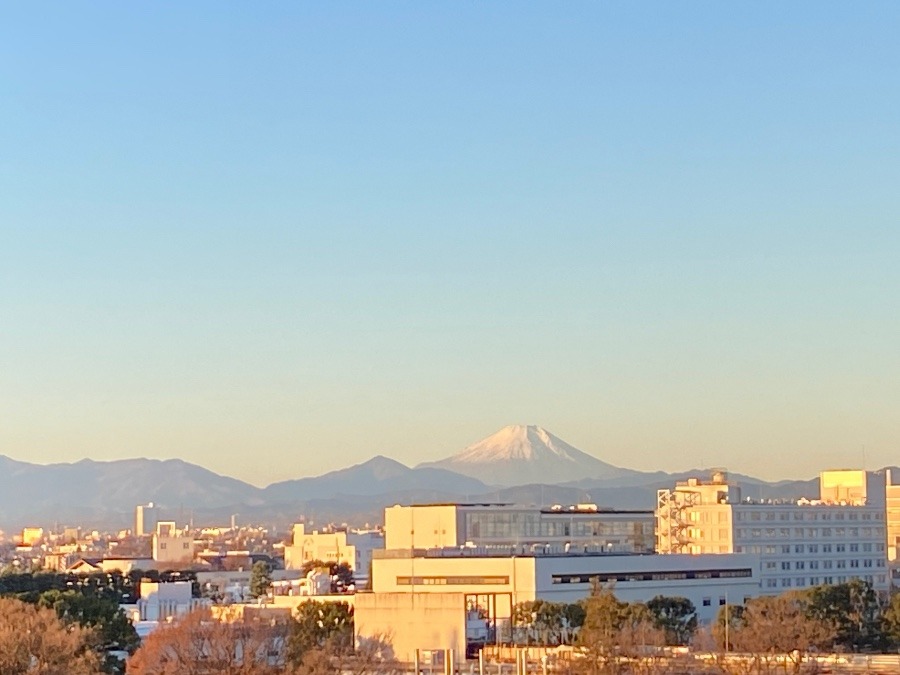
[{"x": 278, "y": 242}]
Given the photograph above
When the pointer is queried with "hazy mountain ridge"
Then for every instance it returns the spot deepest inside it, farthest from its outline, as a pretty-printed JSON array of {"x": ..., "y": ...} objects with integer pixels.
[
  {"x": 379, "y": 475},
  {"x": 104, "y": 494}
]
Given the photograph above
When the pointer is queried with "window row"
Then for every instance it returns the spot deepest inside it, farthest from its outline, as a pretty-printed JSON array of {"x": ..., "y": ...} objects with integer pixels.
[{"x": 804, "y": 514}]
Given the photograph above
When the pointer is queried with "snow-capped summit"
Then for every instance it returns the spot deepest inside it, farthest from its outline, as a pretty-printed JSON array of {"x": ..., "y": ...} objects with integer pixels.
[{"x": 518, "y": 455}]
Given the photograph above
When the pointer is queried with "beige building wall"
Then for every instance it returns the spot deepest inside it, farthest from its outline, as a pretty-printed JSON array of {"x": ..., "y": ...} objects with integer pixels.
[
  {"x": 892, "y": 518},
  {"x": 324, "y": 546},
  {"x": 710, "y": 530},
  {"x": 171, "y": 546},
  {"x": 843, "y": 485},
  {"x": 354, "y": 548},
  {"x": 432, "y": 526},
  {"x": 508, "y": 575},
  {"x": 411, "y": 621}
]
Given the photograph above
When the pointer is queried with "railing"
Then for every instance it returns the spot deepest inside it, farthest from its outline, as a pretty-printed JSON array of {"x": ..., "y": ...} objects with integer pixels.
[{"x": 522, "y": 551}]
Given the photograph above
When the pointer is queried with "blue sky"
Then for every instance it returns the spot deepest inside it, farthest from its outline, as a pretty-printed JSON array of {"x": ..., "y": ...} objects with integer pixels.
[{"x": 278, "y": 239}]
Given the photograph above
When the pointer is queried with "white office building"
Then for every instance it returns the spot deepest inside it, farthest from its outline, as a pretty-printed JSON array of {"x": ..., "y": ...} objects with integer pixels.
[
  {"x": 800, "y": 544},
  {"x": 425, "y": 600}
]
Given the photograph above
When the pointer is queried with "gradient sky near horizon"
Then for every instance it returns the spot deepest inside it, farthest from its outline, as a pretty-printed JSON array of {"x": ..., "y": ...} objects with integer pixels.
[{"x": 276, "y": 239}]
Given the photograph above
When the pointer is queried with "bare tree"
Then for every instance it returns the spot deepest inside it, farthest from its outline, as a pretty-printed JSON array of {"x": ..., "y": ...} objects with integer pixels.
[
  {"x": 777, "y": 633},
  {"x": 34, "y": 640},
  {"x": 198, "y": 644}
]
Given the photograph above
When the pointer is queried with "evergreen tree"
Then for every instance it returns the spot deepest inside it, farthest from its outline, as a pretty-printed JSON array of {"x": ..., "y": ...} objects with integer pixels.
[{"x": 260, "y": 579}]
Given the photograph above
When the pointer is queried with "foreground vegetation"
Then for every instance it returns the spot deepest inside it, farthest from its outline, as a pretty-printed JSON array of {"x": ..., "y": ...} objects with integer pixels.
[{"x": 55, "y": 625}]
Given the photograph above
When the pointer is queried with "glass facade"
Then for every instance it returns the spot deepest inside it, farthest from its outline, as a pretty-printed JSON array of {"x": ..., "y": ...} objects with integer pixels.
[{"x": 620, "y": 531}]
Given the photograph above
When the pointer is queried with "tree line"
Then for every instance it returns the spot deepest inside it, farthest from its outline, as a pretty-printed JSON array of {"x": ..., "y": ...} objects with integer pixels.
[
  {"x": 767, "y": 634},
  {"x": 78, "y": 612}
]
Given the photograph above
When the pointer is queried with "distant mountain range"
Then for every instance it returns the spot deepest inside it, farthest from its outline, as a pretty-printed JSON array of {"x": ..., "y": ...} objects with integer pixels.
[{"x": 518, "y": 464}]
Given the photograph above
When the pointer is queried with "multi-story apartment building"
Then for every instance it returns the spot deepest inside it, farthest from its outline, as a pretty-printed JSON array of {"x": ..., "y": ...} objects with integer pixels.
[
  {"x": 584, "y": 526},
  {"x": 800, "y": 544}
]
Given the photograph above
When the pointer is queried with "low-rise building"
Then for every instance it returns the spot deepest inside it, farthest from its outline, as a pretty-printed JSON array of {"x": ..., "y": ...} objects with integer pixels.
[{"x": 425, "y": 599}]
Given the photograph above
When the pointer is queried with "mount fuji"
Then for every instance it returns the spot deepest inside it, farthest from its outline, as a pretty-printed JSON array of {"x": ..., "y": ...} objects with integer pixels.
[{"x": 521, "y": 455}]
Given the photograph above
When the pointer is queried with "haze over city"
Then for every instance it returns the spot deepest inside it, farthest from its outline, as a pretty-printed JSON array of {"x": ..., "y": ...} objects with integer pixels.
[{"x": 276, "y": 242}]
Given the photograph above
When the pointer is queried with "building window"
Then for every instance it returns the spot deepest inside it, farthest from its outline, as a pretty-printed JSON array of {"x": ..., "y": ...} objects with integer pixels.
[
  {"x": 707, "y": 602},
  {"x": 457, "y": 581},
  {"x": 722, "y": 600}
]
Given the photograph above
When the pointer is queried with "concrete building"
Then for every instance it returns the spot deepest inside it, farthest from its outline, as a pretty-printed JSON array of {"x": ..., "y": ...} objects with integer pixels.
[
  {"x": 160, "y": 602},
  {"x": 427, "y": 600},
  {"x": 145, "y": 519},
  {"x": 353, "y": 547},
  {"x": 32, "y": 536},
  {"x": 800, "y": 544},
  {"x": 852, "y": 487},
  {"x": 584, "y": 527},
  {"x": 171, "y": 546},
  {"x": 892, "y": 517}
]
